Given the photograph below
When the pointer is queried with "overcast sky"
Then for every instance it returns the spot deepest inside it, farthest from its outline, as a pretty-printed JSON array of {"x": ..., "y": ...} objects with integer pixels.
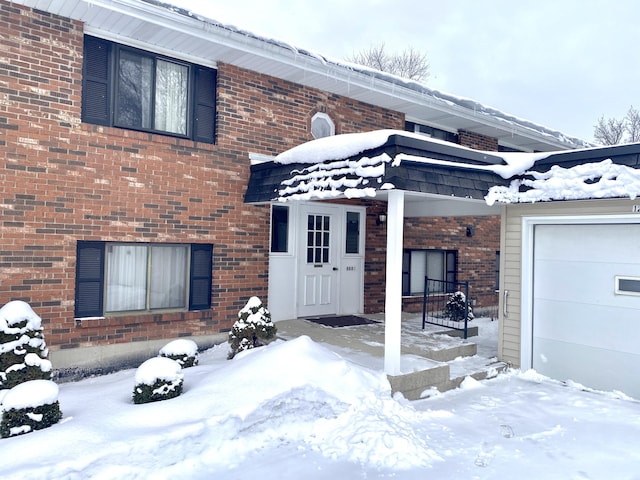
[{"x": 560, "y": 63}]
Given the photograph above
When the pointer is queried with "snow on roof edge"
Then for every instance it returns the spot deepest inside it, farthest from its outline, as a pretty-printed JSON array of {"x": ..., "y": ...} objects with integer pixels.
[{"x": 462, "y": 102}]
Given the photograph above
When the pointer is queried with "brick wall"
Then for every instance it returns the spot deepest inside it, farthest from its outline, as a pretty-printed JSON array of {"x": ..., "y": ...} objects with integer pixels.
[
  {"x": 476, "y": 254},
  {"x": 477, "y": 141},
  {"x": 62, "y": 181}
]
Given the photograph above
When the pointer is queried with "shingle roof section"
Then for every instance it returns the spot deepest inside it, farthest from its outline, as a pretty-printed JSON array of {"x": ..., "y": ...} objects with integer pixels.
[{"x": 375, "y": 169}]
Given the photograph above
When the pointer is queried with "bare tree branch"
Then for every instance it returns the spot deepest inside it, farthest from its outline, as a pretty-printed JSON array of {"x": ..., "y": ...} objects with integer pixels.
[
  {"x": 632, "y": 125},
  {"x": 609, "y": 131},
  {"x": 410, "y": 64}
]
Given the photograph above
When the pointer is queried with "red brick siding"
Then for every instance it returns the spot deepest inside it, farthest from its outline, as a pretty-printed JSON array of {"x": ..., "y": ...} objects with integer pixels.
[
  {"x": 64, "y": 181},
  {"x": 477, "y": 141},
  {"x": 476, "y": 254}
]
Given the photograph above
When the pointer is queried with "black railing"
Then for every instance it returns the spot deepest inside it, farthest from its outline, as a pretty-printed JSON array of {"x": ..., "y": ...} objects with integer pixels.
[{"x": 446, "y": 304}]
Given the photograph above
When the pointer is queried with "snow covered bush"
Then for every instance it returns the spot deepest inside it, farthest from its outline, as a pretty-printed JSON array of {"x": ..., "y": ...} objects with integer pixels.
[
  {"x": 183, "y": 351},
  {"x": 252, "y": 329},
  {"x": 158, "y": 378},
  {"x": 32, "y": 405},
  {"x": 23, "y": 351},
  {"x": 456, "y": 306}
]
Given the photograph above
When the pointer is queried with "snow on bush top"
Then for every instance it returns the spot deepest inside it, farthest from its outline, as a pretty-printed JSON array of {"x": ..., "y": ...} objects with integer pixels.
[
  {"x": 182, "y": 346},
  {"x": 158, "y": 368},
  {"x": 15, "y": 312},
  {"x": 252, "y": 304},
  {"x": 254, "y": 312},
  {"x": 31, "y": 394}
]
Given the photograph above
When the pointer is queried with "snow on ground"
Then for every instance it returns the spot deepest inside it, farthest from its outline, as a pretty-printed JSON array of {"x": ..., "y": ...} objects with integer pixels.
[{"x": 296, "y": 409}]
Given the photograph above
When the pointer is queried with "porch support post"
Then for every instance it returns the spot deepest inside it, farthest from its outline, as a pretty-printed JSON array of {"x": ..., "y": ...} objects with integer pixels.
[{"x": 393, "y": 288}]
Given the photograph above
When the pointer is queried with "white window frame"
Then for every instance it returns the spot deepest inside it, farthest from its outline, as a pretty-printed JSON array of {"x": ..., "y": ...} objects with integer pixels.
[{"x": 326, "y": 121}]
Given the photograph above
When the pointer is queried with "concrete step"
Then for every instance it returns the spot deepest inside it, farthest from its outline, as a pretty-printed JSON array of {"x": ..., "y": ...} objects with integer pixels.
[{"x": 425, "y": 383}]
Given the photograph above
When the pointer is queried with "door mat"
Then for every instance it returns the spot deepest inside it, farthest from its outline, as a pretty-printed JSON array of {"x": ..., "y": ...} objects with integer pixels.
[{"x": 341, "y": 321}]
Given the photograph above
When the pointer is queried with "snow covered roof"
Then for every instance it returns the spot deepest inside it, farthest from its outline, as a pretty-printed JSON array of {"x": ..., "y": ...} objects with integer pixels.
[
  {"x": 593, "y": 173},
  {"x": 361, "y": 165},
  {"x": 177, "y": 32}
]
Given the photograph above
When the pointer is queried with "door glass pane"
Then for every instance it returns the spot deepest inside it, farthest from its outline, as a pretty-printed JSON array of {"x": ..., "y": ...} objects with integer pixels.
[
  {"x": 126, "y": 279},
  {"x": 353, "y": 233},
  {"x": 168, "y": 277},
  {"x": 318, "y": 238},
  {"x": 279, "y": 228},
  {"x": 171, "y": 97},
  {"x": 135, "y": 82}
]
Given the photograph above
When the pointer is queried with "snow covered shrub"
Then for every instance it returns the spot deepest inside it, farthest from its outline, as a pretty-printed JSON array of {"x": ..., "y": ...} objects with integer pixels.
[
  {"x": 455, "y": 308},
  {"x": 158, "y": 378},
  {"x": 23, "y": 351},
  {"x": 252, "y": 329},
  {"x": 32, "y": 405},
  {"x": 183, "y": 351}
]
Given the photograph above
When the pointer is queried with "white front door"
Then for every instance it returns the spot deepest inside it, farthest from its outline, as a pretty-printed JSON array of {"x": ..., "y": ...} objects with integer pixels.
[{"x": 318, "y": 288}]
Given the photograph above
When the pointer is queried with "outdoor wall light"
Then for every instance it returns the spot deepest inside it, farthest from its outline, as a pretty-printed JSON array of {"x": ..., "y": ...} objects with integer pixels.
[
  {"x": 470, "y": 231},
  {"x": 382, "y": 219}
]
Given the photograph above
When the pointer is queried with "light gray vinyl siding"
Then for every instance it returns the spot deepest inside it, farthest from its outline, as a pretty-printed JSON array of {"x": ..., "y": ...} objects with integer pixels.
[{"x": 509, "y": 338}]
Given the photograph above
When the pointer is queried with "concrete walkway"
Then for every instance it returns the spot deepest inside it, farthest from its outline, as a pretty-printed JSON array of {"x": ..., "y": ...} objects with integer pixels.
[{"x": 433, "y": 358}]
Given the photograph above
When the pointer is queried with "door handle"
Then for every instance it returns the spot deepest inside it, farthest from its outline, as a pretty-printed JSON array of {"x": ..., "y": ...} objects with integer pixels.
[
  {"x": 335, "y": 269},
  {"x": 505, "y": 311}
]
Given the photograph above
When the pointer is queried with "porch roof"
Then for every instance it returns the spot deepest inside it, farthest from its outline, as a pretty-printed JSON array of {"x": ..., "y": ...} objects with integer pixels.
[{"x": 370, "y": 164}]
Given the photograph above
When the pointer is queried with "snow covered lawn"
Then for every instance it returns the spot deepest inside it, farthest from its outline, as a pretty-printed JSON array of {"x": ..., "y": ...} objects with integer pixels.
[{"x": 296, "y": 410}]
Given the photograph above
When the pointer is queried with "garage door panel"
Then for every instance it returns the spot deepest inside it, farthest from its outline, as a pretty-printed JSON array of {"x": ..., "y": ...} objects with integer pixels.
[
  {"x": 582, "y": 330},
  {"x": 592, "y": 325},
  {"x": 554, "y": 241},
  {"x": 598, "y": 368},
  {"x": 587, "y": 282}
]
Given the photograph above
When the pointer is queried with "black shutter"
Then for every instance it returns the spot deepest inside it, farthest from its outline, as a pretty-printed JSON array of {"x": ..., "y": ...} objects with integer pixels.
[
  {"x": 89, "y": 279},
  {"x": 204, "y": 124},
  {"x": 96, "y": 81},
  {"x": 200, "y": 279}
]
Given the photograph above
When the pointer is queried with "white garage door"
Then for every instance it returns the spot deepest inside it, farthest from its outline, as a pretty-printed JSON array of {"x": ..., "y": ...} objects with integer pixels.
[{"x": 583, "y": 330}]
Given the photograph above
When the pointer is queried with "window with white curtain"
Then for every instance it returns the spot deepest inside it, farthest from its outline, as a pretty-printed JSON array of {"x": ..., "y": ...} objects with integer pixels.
[
  {"x": 167, "y": 277},
  {"x": 135, "y": 89},
  {"x": 171, "y": 97},
  {"x": 114, "y": 277},
  {"x": 145, "y": 277},
  {"x": 152, "y": 93}
]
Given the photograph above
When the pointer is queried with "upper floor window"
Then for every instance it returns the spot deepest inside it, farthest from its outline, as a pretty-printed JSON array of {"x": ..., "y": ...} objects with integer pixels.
[
  {"x": 431, "y": 132},
  {"x": 130, "y": 88},
  {"x": 322, "y": 126}
]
